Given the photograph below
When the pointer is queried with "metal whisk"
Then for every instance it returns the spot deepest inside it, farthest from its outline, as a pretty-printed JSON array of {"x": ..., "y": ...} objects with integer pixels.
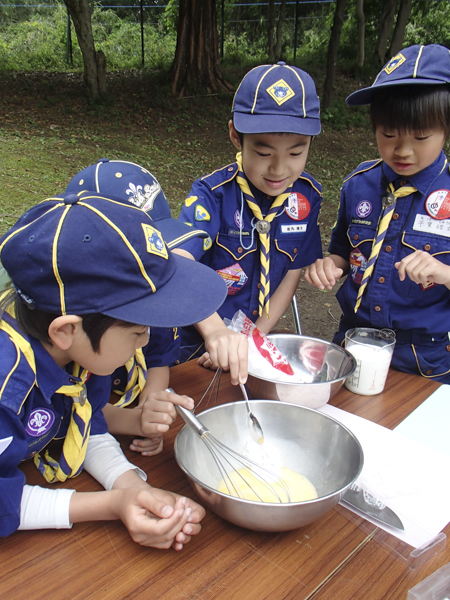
[{"x": 237, "y": 471}]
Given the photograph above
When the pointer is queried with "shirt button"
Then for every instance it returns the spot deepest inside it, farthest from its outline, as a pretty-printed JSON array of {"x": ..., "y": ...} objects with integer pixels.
[
  {"x": 403, "y": 182},
  {"x": 427, "y": 247},
  {"x": 356, "y": 236},
  {"x": 259, "y": 286},
  {"x": 254, "y": 313},
  {"x": 230, "y": 169},
  {"x": 447, "y": 347},
  {"x": 429, "y": 372},
  {"x": 395, "y": 216},
  {"x": 295, "y": 250},
  {"x": 378, "y": 308},
  {"x": 240, "y": 250},
  {"x": 381, "y": 280},
  {"x": 388, "y": 248}
]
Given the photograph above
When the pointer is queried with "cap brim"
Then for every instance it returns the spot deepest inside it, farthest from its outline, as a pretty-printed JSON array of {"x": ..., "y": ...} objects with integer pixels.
[
  {"x": 366, "y": 95},
  {"x": 193, "y": 293},
  {"x": 176, "y": 232},
  {"x": 245, "y": 123}
]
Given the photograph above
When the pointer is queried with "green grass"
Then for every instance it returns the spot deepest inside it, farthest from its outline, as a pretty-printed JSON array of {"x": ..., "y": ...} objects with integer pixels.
[{"x": 48, "y": 133}]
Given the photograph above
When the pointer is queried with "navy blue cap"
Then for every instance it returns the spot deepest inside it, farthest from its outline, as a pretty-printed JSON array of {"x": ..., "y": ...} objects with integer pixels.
[
  {"x": 277, "y": 99},
  {"x": 134, "y": 184},
  {"x": 87, "y": 253},
  {"x": 415, "y": 65}
]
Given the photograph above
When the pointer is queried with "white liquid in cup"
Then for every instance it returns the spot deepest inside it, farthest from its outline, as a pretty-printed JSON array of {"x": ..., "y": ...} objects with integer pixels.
[{"x": 371, "y": 370}]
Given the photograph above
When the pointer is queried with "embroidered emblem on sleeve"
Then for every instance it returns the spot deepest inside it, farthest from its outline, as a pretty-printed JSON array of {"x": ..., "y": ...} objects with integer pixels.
[
  {"x": 190, "y": 201},
  {"x": 207, "y": 243},
  {"x": 201, "y": 214}
]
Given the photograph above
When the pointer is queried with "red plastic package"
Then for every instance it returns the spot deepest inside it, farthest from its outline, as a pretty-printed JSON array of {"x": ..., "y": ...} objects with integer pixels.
[{"x": 260, "y": 350}]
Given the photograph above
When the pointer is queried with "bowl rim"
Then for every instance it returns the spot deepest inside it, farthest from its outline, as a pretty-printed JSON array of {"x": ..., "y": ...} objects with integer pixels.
[
  {"x": 304, "y": 502},
  {"x": 306, "y": 337}
]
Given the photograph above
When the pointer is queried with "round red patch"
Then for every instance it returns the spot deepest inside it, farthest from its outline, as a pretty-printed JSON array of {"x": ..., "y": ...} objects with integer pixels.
[
  {"x": 438, "y": 204},
  {"x": 298, "y": 207}
]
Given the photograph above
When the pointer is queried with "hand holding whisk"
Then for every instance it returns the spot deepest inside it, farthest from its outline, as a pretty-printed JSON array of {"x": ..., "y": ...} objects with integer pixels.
[{"x": 239, "y": 473}]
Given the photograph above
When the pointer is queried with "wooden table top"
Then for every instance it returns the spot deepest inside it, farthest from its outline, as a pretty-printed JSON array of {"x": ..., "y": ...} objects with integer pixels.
[{"x": 339, "y": 557}]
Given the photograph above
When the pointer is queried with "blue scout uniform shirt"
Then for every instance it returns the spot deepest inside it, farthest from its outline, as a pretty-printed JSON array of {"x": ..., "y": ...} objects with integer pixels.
[
  {"x": 163, "y": 349},
  {"x": 419, "y": 314},
  {"x": 216, "y": 205},
  {"x": 31, "y": 415}
]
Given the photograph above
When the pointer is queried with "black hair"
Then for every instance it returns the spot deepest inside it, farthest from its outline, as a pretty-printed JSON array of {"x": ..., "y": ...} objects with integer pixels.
[
  {"x": 35, "y": 322},
  {"x": 412, "y": 108}
]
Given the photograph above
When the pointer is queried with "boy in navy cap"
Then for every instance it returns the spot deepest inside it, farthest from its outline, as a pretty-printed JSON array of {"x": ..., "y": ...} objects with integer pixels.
[
  {"x": 393, "y": 228},
  {"x": 66, "y": 325},
  {"x": 261, "y": 211},
  {"x": 135, "y": 185}
]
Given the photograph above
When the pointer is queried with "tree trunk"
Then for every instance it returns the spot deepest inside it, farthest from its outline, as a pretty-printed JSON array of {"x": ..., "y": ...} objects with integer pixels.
[
  {"x": 386, "y": 22},
  {"x": 399, "y": 32},
  {"x": 361, "y": 20},
  {"x": 270, "y": 32},
  {"x": 197, "y": 63},
  {"x": 333, "y": 47},
  {"x": 280, "y": 31},
  {"x": 81, "y": 17}
]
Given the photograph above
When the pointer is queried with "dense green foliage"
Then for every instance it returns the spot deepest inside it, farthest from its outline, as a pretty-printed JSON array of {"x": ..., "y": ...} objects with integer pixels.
[{"x": 35, "y": 38}]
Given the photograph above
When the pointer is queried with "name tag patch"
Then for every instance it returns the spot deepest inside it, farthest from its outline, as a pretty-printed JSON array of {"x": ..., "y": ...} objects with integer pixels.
[
  {"x": 297, "y": 228},
  {"x": 432, "y": 225}
]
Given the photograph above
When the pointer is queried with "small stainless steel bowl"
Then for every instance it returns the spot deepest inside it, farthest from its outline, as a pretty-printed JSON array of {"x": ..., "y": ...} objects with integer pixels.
[
  {"x": 302, "y": 439},
  {"x": 321, "y": 366}
]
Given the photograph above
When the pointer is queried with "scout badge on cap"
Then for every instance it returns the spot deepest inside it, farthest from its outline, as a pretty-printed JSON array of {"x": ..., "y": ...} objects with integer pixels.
[
  {"x": 87, "y": 253},
  {"x": 135, "y": 185},
  {"x": 415, "y": 65},
  {"x": 277, "y": 99}
]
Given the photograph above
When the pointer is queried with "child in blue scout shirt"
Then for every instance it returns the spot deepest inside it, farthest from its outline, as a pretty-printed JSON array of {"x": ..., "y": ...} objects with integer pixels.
[
  {"x": 392, "y": 235},
  {"x": 66, "y": 327},
  {"x": 261, "y": 211},
  {"x": 135, "y": 185}
]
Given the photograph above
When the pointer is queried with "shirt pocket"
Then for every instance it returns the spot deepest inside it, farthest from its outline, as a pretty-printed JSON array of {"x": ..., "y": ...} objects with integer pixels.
[
  {"x": 230, "y": 246},
  {"x": 361, "y": 241},
  {"x": 436, "y": 245}
]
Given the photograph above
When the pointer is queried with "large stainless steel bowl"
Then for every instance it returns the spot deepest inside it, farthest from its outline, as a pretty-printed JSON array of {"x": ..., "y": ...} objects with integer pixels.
[
  {"x": 302, "y": 439},
  {"x": 321, "y": 366}
]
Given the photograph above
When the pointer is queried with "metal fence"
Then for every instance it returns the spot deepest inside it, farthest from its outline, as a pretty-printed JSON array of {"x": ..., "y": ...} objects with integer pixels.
[{"x": 228, "y": 16}]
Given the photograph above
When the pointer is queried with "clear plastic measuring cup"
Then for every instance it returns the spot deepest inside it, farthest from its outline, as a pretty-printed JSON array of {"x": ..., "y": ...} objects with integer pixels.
[{"x": 373, "y": 349}]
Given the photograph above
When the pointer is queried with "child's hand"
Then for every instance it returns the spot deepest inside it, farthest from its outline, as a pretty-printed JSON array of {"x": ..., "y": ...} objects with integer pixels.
[
  {"x": 229, "y": 351},
  {"x": 423, "y": 268},
  {"x": 323, "y": 273},
  {"x": 148, "y": 446},
  {"x": 157, "y": 518},
  {"x": 158, "y": 414}
]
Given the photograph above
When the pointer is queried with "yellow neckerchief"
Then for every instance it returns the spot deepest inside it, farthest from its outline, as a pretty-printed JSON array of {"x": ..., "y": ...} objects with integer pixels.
[
  {"x": 263, "y": 229},
  {"x": 137, "y": 375},
  {"x": 75, "y": 443},
  {"x": 389, "y": 202}
]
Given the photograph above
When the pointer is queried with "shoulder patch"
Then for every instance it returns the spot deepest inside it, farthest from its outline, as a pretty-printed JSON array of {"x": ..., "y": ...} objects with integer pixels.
[{"x": 201, "y": 214}]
